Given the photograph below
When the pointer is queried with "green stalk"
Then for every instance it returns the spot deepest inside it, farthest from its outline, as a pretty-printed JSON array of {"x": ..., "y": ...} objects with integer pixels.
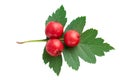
[
  {"x": 43, "y": 40},
  {"x": 28, "y": 41}
]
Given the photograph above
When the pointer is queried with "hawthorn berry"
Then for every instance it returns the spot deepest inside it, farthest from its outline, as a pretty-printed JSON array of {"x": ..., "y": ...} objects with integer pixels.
[
  {"x": 54, "y": 47},
  {"x": 54, "y": 29},
  {"x": 71, "y": 38}
]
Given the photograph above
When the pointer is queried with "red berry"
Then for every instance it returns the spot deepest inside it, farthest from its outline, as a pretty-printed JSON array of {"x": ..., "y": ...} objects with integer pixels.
[
  {"x": 71, "y": 38},
  {"x": 54, "y": 30},
  {"x": 54, "y": 47}
]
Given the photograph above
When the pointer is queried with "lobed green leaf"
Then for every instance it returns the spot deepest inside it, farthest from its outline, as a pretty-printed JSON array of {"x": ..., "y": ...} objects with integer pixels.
[
  {"x": 85, "y": 53},
  {"x": 88, "y": 47},
  {"x": 54, "y": 62},
  {"x": 59, "y": 16},
  {"x": 77, "y": 24},
  {"x": 96, "y": 45},
  {"x": 70, "y": 56}
]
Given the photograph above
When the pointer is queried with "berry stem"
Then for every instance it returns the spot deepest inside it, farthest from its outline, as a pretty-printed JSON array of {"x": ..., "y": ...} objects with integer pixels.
[
  {"x": 61, "y": 39},
  {"x": 28, "y": 41}
]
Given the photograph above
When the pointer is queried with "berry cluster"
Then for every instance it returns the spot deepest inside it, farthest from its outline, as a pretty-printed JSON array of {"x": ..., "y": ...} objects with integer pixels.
[{"x": 55, "y": 44}]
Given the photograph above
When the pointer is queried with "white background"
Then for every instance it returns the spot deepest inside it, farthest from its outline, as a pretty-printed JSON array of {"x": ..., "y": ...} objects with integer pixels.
[{"x": 25, "y": 19}]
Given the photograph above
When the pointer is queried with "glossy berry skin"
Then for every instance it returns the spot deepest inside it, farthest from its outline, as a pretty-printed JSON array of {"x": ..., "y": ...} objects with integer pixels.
[
  {"x": 54, "y": 47},
  {"x": 54, "y": 30},
  {"x": 71, "y": 38}
]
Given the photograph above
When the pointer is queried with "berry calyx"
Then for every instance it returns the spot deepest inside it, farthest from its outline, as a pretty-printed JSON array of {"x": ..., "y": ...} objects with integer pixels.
[
  {"x": 54, "y": 29},
  {"x": 54, "y": 47},
  {"x": 71, "y": 38}
]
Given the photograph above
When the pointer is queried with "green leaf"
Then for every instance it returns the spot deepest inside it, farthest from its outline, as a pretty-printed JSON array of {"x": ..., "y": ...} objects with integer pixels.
[
  {"x": 70, "y": 56},
  {"x": 107, "y": 47},
  {"x": 54, "y": 62},
  {"x": 59, "y": 16},
  {"x": 96, "y": 45},
  {"x": 88, "y": 35},
  {"x": 82, "y": 50},
  {"x": 77, "y": 24},
  {"x": 88, "y": 47},
  {"x": 85, "y": 53}
]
